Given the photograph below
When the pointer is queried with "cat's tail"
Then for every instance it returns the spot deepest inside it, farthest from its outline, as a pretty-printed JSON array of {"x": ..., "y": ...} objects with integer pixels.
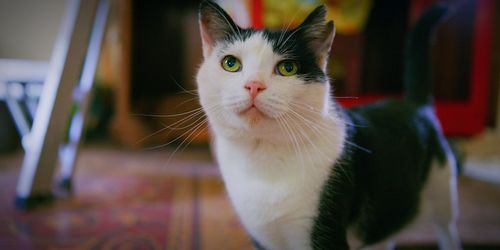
[{"x": 417, "y": 74}]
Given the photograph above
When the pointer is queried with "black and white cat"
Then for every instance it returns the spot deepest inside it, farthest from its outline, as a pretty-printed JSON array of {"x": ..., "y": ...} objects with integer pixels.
[{"x": 301, "y": 172}]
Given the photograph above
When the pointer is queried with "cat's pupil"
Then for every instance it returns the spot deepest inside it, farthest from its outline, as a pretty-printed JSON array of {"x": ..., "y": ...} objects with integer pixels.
[
  {"x": 231, "y": 62},
  {"x": 288, "y": 67}
]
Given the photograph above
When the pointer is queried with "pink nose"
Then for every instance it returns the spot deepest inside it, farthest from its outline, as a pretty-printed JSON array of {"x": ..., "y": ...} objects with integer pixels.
[{"x": 255, "y": 87}]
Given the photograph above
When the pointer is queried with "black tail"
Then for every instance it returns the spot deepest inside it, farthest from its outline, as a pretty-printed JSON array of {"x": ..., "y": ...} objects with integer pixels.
[{"x": 417, "y": 75}]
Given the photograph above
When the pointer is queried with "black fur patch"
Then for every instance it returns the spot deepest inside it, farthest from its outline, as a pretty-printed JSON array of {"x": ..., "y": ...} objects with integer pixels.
[
  {"x": 220, "y": 26},
  {"x": 294, "y": 44},
  {"x": 375, "y": 187},
  {"x": 291, "y": 45}
]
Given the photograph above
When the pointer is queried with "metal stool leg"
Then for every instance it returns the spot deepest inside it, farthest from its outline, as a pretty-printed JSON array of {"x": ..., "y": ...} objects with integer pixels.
[
  {"x": 68, "y": 152},
  {"x": 50, "y": 122}
]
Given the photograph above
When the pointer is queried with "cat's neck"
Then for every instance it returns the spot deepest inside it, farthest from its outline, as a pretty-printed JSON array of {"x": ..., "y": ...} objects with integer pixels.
[{"x": 318, "y": 142}]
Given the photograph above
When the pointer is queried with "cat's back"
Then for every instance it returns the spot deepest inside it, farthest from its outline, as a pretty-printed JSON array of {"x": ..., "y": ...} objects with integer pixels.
[
  {"x": 396, "y": 127},
  {"x": 393, "y": 142},
  {"x": 392, "y": 145}
]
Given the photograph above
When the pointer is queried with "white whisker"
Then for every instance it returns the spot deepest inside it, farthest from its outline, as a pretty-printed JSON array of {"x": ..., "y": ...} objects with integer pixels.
[
  {"x": 169, "y": 115},
  {"x": 151, "y": 135},
  {"x": 295, "y": 141},
  {"x": 289, "y": 36},
  {"x": 346, "y": 97},
  {"x": 306, "y": 152},
  {"x": 172, "y": 141},
  {"x": 184, "y": 90},
  {"x": 358, "y": 147},
  {"x": 188, "y": 125},
  {"x": 282, "y": 35},
  {"x": 191, "y": 131}
]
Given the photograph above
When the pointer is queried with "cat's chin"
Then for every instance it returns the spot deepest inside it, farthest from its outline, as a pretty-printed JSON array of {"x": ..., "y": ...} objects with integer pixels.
[{"x": 253, "y": 115}]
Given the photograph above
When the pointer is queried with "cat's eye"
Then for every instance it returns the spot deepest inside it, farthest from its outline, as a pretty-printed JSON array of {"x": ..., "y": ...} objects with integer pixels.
[
  {"x": 287, "y": 68},
  {"x": 231, "y": 64}
]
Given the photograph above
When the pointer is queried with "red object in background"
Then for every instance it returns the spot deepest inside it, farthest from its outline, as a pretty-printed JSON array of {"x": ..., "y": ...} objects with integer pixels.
[
  {"x": 257, "y": 16},
  {"x": 464, "y": 118}
]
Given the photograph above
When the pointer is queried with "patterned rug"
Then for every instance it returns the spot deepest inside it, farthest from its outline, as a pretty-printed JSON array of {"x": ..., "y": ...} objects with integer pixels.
[
  {"x": 134, "y": 202},
  {"x": 147, "y": 200}
]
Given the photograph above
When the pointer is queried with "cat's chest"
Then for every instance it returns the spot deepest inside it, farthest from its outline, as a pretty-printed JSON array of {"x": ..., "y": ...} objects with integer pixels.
[
  {"x": 275, "y": 192},
  {"x": 280, "y": 174}
]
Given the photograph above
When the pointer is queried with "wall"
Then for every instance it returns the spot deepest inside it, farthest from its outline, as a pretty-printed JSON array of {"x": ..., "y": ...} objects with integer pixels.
[{"x": 28, "y": 28}]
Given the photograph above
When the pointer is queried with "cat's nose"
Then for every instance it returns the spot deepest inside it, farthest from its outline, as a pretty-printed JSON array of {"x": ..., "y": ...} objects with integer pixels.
[{"x": 255, "y": 87}]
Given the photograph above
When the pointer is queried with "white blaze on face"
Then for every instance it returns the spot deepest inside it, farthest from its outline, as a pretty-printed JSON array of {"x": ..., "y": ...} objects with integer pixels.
[{"x": 229, "y": 104}]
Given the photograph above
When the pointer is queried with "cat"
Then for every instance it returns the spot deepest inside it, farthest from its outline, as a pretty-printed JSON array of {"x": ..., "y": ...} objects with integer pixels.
[{"x": 304, "y": 173}]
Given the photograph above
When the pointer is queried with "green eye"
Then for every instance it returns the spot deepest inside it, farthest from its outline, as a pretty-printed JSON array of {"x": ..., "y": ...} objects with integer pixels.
[
  {"x": 287, "y": 68},
  {"x": 231, "y": 64}
]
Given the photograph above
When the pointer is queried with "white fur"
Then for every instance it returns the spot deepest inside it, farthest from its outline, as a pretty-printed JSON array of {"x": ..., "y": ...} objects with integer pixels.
[{"x": 273, "y": 167}]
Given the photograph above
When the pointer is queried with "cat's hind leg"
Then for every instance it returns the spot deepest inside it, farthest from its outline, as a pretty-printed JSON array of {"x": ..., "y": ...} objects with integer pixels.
[
  {"x": 447, "y": 236},
  {"x": 356, "y": 244},
  {"x": 384, "y": 245},
  {"x": 445, "y": 218},
  {"x": 441, "y": 198}
]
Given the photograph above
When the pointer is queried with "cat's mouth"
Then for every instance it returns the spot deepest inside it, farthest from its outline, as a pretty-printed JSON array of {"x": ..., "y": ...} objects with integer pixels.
[{"x": 253, "y": 113}]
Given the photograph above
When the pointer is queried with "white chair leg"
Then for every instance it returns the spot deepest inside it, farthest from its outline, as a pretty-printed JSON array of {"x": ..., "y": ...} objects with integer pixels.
[{"x": 19, "y": 117}]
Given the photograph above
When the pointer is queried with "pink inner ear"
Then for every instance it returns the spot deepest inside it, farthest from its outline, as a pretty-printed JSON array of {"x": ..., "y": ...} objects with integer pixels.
[{"x": 207, "y": 40}]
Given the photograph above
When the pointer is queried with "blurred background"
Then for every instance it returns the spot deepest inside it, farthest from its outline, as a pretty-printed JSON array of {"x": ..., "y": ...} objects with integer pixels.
[{"x": 144, "y": 177}]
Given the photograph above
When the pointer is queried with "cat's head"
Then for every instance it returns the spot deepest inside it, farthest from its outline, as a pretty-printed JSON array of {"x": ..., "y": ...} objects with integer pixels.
[{"x": 261, "y": 83}]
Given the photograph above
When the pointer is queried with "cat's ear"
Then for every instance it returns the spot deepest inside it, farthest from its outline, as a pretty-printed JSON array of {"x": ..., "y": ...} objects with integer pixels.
[
  {"x": 319, "y": 34},
  {"x": 215, "y": 25}
]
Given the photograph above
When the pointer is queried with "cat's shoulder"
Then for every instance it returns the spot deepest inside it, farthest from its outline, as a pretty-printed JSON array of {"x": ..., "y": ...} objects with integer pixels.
[
  {"x": 390, "y": 113},
  {"x": 389, "y": 107}
]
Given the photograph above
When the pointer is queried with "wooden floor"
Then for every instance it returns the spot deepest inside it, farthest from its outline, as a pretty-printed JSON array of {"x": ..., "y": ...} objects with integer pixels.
[{"x": 150, "y": 200}]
